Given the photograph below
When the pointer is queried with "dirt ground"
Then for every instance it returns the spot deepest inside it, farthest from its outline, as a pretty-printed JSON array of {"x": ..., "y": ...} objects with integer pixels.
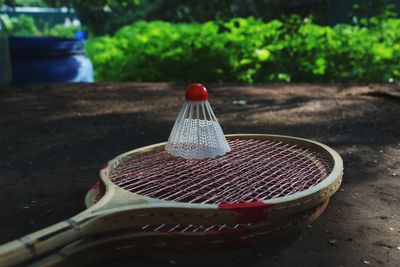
[{"x": 54, "y": 138}]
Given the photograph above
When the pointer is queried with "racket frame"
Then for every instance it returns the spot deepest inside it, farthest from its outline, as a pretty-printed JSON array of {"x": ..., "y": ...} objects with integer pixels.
[{"x": 119, "y": 209}]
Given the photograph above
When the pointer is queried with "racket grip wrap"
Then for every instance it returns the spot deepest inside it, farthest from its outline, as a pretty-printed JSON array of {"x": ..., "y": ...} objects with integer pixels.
[{"x": 24, "y": 249}]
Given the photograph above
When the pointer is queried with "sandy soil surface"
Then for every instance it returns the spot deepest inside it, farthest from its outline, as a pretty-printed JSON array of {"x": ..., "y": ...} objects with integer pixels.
[{"x": 54, "y": 138}]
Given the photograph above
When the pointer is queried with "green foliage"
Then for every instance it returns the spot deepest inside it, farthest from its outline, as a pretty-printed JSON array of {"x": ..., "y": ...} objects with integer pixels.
[
  {"x": 26, "y": 26},
  {"x": 21, "y": 26},
  {"x": 161, "y": 51},
  {"x": 107, "y": 16},
  {"x": 61, "y": 31},
  {"x": 380, "y": 8},
  {"x": 34, "y": 3},
  {"x": 249, "y": 50}
]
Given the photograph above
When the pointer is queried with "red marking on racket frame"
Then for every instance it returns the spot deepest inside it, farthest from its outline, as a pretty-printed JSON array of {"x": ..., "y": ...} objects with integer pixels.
[
  {"x": 248, "y": 212},
  {"x": 96, "y": 186},
  {"x": 104, "y": 166}
]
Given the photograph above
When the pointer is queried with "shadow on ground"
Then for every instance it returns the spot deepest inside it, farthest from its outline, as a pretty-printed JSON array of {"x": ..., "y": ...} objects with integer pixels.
[{"x": 55, "y": 138}]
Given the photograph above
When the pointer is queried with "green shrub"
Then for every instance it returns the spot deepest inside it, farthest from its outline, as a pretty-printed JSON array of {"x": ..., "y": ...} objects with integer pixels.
[
  {"x": 21, "y": 25},
  {"x": 61, "y": 31},
  {"x": 249, "y": 50},
  {"x": 26, "y": 26}
]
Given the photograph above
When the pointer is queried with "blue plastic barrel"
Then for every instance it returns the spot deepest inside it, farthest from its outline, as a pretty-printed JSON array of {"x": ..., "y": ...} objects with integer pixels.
[{"x": 49, "y": 59}]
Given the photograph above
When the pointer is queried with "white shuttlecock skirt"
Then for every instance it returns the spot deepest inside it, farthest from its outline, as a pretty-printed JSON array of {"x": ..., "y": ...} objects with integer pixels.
[{"x": 196, "y": 133}]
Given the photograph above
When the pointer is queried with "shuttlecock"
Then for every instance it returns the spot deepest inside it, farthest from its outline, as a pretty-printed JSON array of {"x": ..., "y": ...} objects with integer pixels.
[{"x": 196, "y": 133}]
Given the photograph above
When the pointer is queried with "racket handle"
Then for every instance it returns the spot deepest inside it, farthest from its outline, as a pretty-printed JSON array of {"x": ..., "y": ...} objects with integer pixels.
[{"x": 37, "y": 244}]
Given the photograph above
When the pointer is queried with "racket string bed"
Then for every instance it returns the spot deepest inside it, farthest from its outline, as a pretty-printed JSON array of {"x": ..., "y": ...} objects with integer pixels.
[
  {"x": 254, "y": 170},
  {"x": 193, "y": 228}
]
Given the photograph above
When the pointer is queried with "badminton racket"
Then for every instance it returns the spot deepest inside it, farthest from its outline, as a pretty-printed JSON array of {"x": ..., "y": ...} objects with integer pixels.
[{"x": 264, "y": 178}]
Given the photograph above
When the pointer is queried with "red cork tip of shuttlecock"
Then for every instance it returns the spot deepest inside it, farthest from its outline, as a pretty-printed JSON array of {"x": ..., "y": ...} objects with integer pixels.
[{"x": 196, "y": 92}]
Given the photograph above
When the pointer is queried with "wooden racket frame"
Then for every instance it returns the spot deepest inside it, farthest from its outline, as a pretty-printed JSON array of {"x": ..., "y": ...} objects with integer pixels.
[
  {"x": 111, "y": 247},
  {"x": 120, "y": 210}
]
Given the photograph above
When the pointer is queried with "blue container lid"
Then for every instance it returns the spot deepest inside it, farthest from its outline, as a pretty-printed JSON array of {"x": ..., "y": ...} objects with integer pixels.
[{"x": 44, "y": 47}]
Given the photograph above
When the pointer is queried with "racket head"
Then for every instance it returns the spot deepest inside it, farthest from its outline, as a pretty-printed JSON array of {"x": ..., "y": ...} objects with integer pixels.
[
  {"x": 317, "y": 178},
  {"x": 317, "y": 159}
]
